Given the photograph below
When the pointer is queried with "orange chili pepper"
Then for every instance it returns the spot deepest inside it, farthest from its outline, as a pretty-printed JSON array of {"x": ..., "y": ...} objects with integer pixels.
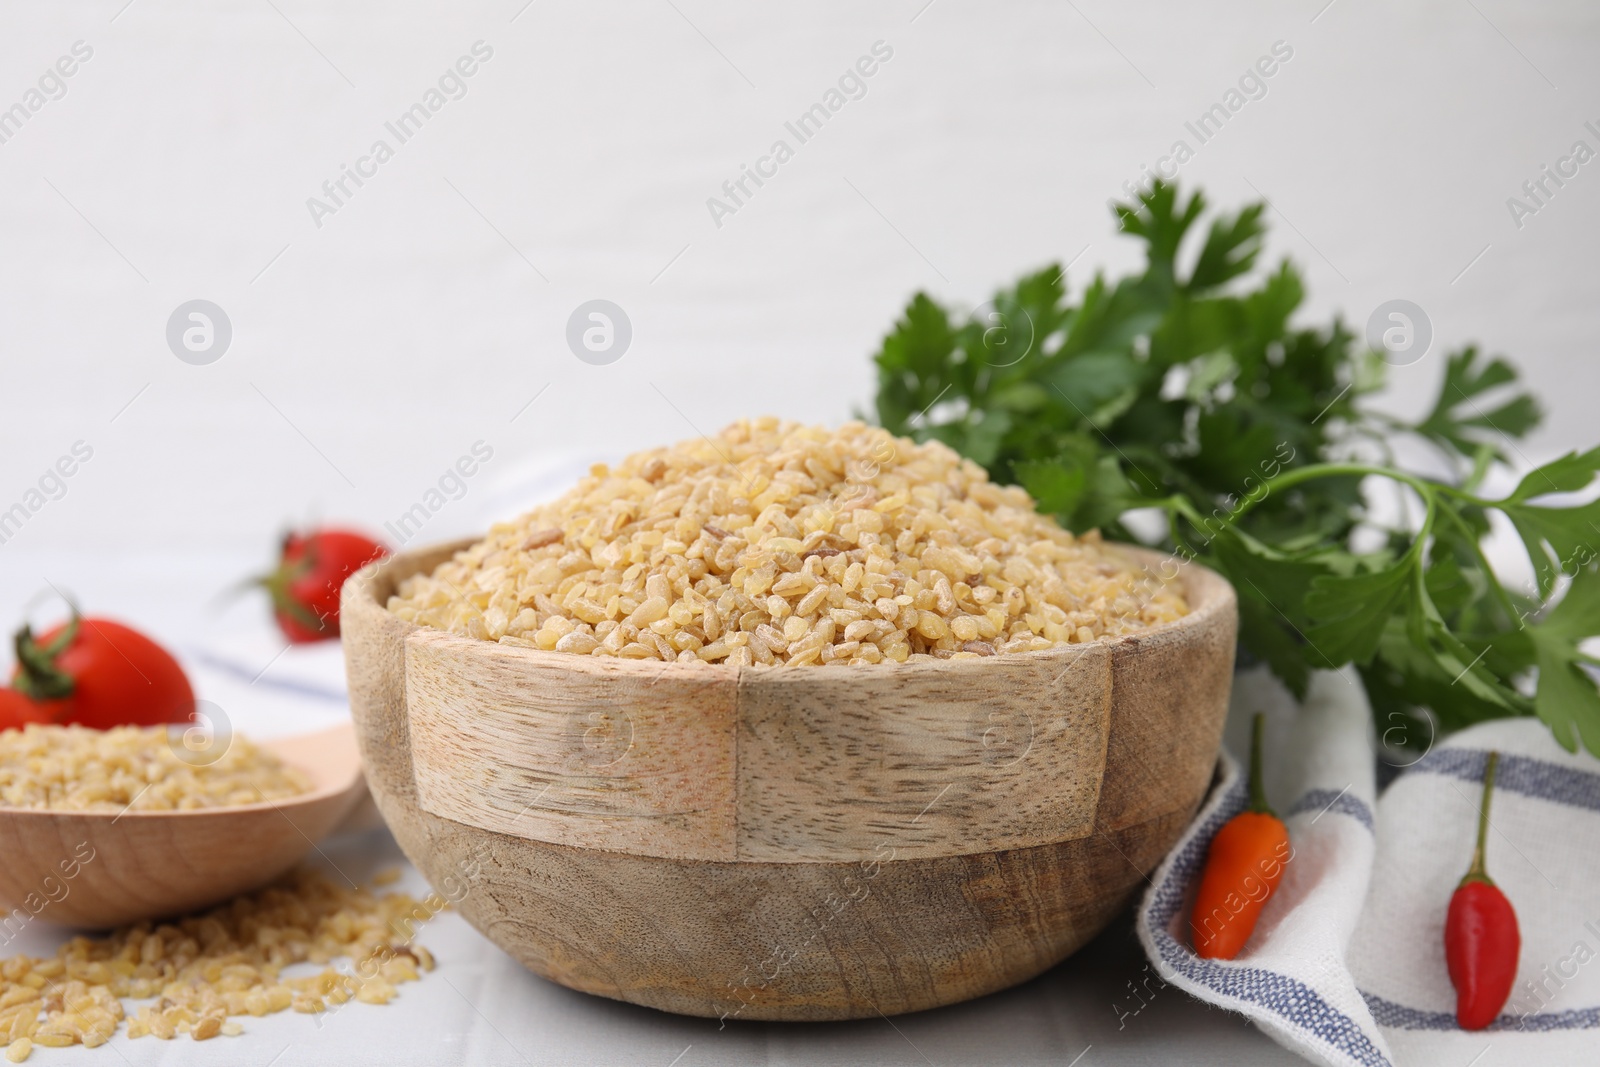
[{"x": 1243, "y": 867}]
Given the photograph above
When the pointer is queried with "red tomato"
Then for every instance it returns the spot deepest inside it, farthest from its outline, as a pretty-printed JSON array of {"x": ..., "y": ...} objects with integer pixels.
[
  {"x": 312, "y": 569},
  {"x": 100, "y": 673},
  {"x": 18, "y": 709}
]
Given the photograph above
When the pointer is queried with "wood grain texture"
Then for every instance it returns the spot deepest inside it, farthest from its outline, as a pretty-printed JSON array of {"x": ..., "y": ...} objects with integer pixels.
[
  {"x": 98, "y": 869},
  {"x": 850, "y": 894},
  {"x": 573, "y": 750},
  {"x": 791, "y": 941},
  {"x": 931, "y": 759},
  {"x": 1169, "y": 700}
]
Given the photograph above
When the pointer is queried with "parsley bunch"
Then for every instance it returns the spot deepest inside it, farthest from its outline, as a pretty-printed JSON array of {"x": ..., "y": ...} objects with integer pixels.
[{"x": 1185, "y": 391}]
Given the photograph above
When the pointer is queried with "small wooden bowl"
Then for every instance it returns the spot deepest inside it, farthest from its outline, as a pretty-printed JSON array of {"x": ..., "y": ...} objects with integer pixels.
[
  {"x": 787, "y": 842},
  {"x": 99, "y": 869}
]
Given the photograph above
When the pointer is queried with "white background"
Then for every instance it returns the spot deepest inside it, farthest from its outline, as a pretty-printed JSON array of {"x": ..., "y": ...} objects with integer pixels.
[
  {"x": 407, "y": 327},
  {"x": 370, "y": 353}
]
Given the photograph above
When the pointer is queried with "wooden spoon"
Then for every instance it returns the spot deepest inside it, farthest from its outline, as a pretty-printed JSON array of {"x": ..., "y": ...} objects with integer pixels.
[{"x": 99, "y": 869}]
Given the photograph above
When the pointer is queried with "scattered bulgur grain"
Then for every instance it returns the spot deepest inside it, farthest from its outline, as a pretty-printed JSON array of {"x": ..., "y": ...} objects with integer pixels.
[
  {"x": 795, "y": 534},
  {"x": 138, "y": 768},
  {"x": 205, "y": 968}
]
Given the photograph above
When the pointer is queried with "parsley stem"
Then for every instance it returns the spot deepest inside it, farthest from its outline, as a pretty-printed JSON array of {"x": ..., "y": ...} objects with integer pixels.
[
  {"x": 1289, "y": 479},
  {"x": 1430, "y": 492},
  {"x": 1471, "y": 539}
]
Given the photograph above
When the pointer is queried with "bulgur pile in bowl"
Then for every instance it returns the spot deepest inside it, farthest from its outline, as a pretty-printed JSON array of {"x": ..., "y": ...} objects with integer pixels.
[
  {"x": 136, "y": 768},
  {"x": 777, "y": 543}
]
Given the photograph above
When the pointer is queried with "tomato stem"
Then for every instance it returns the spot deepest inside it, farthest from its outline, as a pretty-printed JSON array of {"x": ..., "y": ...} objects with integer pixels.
[
  {"x": 1258, "y": 789},
  {"x": 277, "y": 586},
  {"x": 38, "y": 676},
  {"x": 1479, "y": 871}
]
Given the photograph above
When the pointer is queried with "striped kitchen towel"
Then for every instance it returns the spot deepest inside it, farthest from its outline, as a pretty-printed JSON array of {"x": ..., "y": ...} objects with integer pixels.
[{"x": 1346, "y": 965}]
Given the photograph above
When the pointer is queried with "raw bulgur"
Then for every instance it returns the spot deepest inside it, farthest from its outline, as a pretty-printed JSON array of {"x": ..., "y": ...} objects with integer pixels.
[
  {"x": 779, "y": 543},
  {"x": 206, "y": 968},
  {"x": 135, "y": 768}
]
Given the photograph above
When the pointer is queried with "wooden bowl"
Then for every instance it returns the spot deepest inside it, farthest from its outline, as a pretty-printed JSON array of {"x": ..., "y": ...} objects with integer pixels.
[
  {"x": 787, "y": 842},
  {"x": 105, "y": 868}
]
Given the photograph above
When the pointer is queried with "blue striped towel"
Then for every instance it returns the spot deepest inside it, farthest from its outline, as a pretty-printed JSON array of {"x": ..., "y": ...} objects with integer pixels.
[{"x": 1346, "y": 965}]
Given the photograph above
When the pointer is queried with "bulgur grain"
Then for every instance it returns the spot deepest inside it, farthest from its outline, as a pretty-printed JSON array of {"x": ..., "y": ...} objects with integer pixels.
[
  {"x": 797, "y": 535},
  {"x": 137, "y": 768},
  {"x": 204, "y": 968}
]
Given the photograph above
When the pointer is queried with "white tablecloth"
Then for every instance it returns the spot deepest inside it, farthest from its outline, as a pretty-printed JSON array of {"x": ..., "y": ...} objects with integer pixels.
[{"x": 479, "y": 1007}]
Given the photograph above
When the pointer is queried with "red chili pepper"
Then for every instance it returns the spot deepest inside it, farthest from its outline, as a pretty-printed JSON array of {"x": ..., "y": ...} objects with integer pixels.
[
  {"x": 1481, "y": 940},
  {"x": 1243, "y": 867}
]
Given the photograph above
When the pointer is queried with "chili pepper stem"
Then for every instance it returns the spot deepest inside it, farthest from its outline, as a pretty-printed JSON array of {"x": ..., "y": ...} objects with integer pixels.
[
  {"x": 1258, "y": 789},
  {"x": 1479, "y": 871}
]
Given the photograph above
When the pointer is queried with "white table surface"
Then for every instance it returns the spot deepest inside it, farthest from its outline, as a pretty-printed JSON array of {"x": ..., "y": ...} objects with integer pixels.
[{"x": 480, "y": 1007}]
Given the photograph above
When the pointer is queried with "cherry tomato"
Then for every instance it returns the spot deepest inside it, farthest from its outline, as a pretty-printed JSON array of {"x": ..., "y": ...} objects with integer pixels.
[
  {"x": 312, "y": 569},
  {"x": 99, "y": 673},
  {"x": 18, "y": 709}
]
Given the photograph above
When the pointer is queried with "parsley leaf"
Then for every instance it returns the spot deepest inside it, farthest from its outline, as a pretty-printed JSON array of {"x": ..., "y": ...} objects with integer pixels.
[
  {"x": 1459, "y": 422},
  {"x": 1190, "y": 387},
  {"x": 1567, "y": 699}
]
